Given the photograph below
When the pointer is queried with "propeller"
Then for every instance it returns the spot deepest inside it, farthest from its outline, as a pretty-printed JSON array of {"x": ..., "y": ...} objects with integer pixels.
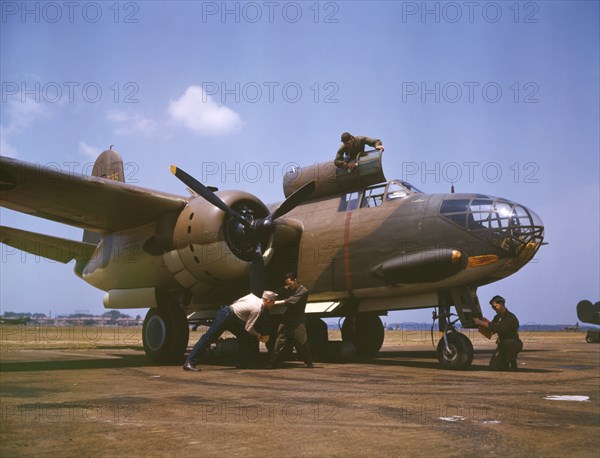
[
  {"x": 207, "y": 194},
  {"x": 254, "y": 230}
]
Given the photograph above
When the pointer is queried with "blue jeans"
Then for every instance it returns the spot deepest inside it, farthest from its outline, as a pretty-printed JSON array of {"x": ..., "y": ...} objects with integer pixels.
[{"x": 225, "y": 320}]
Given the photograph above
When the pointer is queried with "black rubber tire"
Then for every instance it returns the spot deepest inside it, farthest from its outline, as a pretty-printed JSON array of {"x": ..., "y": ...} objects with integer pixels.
[
  {"x": 460, "y": 356},
  {"x": 165, "y": 334},
  {"x": 365, "y": 331},
  {"x": 317, "y": 334}
]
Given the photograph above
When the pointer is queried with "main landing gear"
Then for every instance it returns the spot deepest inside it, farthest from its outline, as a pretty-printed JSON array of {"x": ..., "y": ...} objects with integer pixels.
[
  {"x": 365, "y": 331},
  {"x": 362, "y": 335},
  {"x": 165, "y": 334}
]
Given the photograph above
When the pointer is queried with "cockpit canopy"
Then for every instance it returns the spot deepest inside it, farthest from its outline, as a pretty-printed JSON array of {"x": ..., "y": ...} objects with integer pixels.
[
  {"x": 508, "y": 224},
  {"x": 376, "y": 195}
]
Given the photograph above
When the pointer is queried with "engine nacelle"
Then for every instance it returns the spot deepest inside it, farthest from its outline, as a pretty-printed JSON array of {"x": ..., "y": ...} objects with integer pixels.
[{"x": 212, "y": 248}]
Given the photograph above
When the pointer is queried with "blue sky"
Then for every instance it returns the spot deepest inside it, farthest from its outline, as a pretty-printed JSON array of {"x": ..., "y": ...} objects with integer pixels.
[{"x": 502, "y": 97}]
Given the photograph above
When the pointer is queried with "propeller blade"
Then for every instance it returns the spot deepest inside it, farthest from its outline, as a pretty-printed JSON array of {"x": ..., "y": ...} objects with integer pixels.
[
  {"x": 295, "y": 199},
  {"x": 207, "y": 194},
  {"x": 258, "y": 274}
]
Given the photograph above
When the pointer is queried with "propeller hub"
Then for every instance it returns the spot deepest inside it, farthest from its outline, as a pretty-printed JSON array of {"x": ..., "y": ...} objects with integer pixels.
[
  {"x": 244, "y": 237},
  {"x": 264, "y": 227}
]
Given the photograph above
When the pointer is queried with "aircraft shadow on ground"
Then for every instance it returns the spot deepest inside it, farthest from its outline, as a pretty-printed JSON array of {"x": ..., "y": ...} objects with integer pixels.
[
  {"x": 122, "y": 361},
  {"x": 404, "y": 359},
  {"x": 400, "y": 358},
  {"x": 383, "y": 358}
]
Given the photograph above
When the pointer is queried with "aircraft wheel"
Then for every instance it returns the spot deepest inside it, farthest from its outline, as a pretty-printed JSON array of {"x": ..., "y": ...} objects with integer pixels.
[
  {"x": 165, "y": 334},
  {"x": 592, "y": 336},
  {"x": 226, "y": 349},
  {"x": 460, "y": 354},
  {"x": 365, "y": 331},
  {"x": 316, "y": 330}
]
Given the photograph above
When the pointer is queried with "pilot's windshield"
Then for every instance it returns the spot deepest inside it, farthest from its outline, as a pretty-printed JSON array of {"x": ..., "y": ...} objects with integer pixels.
[
  {"x": 398, "y": 189},
  {"x": 410, "y": 187}
]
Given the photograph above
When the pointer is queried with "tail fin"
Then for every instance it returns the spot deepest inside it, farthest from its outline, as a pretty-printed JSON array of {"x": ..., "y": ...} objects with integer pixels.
[{"x": 109, "y": 165}]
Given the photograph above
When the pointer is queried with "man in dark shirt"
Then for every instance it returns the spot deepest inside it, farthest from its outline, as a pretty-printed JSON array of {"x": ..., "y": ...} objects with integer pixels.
[
  {"x": 293, "y": 324},
  {"x": 349, "y": 153},
  {"x": 506, "y": 325}
]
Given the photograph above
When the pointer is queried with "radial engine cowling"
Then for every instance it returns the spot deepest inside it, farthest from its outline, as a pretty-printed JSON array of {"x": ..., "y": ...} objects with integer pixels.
[{"x": 213, "y": 248}]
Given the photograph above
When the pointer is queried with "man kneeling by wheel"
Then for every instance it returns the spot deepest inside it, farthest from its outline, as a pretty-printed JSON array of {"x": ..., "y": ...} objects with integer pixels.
[{"x": 506, "y": 325}]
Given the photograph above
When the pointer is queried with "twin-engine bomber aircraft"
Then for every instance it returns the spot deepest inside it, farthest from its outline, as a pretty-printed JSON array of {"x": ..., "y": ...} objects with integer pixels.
[{"x": 360, "y": 244}]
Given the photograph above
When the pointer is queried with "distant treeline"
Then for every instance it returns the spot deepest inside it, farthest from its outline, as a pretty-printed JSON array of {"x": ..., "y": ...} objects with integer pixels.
[
  {"x": 23, "y": 317},
  {"x": 411, "y": 326}
]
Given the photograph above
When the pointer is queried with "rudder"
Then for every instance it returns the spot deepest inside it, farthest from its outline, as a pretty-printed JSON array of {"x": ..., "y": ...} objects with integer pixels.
[{"x": 108, "y": 165}]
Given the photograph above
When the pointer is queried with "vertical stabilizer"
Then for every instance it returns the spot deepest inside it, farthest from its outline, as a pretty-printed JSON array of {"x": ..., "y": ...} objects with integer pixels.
[{"x": 109, "y": 165}]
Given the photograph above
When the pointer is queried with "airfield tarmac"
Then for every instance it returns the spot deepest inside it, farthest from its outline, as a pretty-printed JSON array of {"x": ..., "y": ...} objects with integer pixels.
[{"x": 93, "y": 392}]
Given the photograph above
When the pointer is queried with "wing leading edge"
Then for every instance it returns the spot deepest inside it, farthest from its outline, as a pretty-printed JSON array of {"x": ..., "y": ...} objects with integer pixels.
[{"x": 93, "y": 203}]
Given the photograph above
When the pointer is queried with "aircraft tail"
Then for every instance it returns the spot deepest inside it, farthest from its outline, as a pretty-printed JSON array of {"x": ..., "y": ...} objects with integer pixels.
[{"x": 108, "y": 165}]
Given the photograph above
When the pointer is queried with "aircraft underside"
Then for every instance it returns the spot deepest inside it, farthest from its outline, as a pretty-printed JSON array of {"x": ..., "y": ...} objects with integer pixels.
[{"x": 166, "y": 326}]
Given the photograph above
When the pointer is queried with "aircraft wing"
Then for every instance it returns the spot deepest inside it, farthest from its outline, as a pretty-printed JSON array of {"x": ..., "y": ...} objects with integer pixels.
[
  {"x": 93, "y": 203},
  {"x": 46, "y": 246}
]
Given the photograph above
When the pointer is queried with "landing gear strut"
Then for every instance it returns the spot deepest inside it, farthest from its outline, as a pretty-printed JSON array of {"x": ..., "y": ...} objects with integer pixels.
[{"x": 454, "y": 349}]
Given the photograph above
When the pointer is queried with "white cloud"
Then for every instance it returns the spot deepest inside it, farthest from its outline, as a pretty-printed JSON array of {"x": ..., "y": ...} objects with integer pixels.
[
  {"x": 6, "y": 149},
  {"x": 91, "y": 152},
  {"x": 132, "y": 124},
  {"x": 22, "y": 114},
  {"x": 201, "y": 114}
]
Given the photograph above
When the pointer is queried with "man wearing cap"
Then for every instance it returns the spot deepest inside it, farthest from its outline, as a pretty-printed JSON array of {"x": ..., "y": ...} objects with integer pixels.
[
  {"x": 348, "y": 154},
  {"x": 293, "y": 324},
  {"x": 239, "y": 319},
  {"x": 506, "y": 325}
]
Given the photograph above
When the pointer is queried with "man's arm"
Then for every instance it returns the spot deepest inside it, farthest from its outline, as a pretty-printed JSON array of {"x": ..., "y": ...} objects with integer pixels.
[
  {"x": 339, "y": 158},
  {"x": 508, "y": 323},
  {"x": 251, "y": 322},
  {"x": 300, "y": 295},
  {"x": 374, "y": 142},
  {"x": 483, "y": 322}
]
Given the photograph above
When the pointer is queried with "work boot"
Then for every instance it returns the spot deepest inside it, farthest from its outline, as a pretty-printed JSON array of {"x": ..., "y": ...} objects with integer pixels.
[{"x": 190, "y": 367}]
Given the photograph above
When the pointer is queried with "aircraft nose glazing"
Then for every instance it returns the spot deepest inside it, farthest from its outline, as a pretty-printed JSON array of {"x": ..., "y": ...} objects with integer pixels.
[{"x": 511, "y": 226}]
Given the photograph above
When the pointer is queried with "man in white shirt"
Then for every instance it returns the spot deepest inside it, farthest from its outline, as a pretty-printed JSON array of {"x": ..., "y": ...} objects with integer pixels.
[{"x": 238, "y": 318}]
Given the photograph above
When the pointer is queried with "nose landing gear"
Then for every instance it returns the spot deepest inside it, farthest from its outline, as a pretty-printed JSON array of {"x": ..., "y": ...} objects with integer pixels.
[{"x": 454, "y": 349}]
